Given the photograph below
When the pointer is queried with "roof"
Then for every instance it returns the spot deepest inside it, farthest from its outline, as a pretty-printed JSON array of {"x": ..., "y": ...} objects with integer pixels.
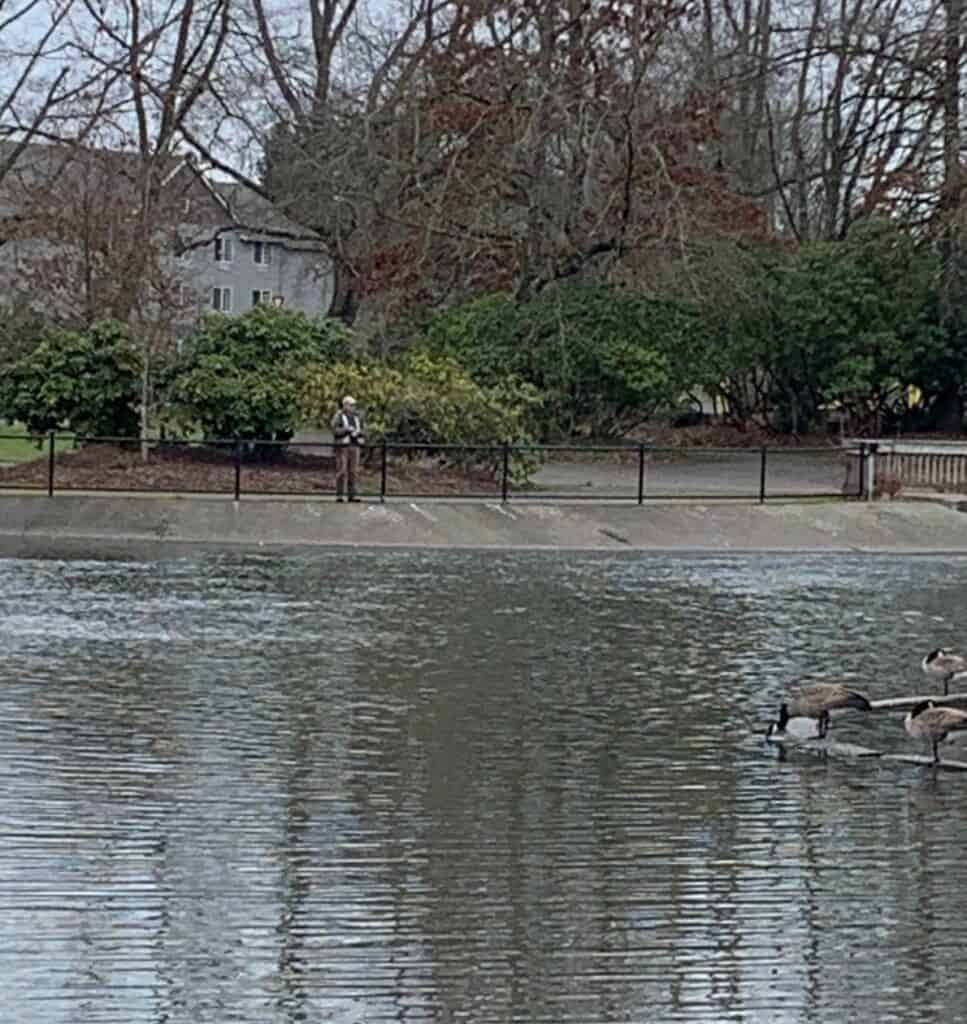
[
  {"x": 43, "y": 171},
  {"x": 48, "y": 184},
  {"x": 251, "y": 211},
  {"x": 48, "y": 163}
]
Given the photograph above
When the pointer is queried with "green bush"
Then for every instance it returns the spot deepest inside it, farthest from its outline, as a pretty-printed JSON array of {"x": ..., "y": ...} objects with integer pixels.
[
  {"x": 849, "y": 325},
  {"x": 243, "y": 376},
  {"x": 852, "y": 318},
  {"x": 426, "y": 399},
  {"x": 603, "y": 359},
  {"x": 85, "y": 381}
]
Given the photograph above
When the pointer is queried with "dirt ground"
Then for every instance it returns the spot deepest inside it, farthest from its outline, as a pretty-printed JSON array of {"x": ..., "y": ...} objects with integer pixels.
[
  {"x": 197, "y": 469},
  {"x": 721, "y": 435}
]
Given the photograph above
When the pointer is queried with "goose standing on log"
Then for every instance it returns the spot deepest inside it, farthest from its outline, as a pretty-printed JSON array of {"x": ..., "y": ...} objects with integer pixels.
[
  {"x": 944, "y": 665},
  {"x": 924, "y": 721},
  {"x": 816, "y": 702}
]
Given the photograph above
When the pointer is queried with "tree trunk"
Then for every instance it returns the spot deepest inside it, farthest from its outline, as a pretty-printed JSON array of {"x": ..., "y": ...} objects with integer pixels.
[
  {"x": 948, "y": 410},
  {"x": 950, "y": 192},
  {"x": 346, "y": 292},
  {"x": 145, "y": 395}
]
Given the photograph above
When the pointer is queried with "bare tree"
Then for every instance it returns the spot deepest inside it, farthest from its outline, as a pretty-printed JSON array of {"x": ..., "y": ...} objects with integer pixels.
[
  {"x": 39, "y": 83},
  {"x": 154, "y": 65},
  {"x": 317, "y": 93},
  {"x": 444, "y": 146},
  {"x": 465, "y": 145}
]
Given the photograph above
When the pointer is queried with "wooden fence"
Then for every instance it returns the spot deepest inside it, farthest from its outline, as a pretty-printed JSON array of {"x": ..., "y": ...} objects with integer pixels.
[{"x": 930, "y": 465}]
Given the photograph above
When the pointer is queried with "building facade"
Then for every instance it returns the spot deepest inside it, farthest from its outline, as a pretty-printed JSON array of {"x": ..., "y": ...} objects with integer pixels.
[
  {"x": 76, "y": 246},
  {"x": 245, "y": 253}
]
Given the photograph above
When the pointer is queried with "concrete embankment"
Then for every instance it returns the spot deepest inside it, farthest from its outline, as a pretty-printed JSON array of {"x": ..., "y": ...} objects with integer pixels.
[{"x": 147, "y": 527}]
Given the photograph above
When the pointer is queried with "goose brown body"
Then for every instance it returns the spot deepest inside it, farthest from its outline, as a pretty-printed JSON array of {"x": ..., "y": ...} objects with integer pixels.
[
  {"x": 944, "y": 665},
  {"x": 927, "y": 722},
  {"x": 818, "y": 700}
]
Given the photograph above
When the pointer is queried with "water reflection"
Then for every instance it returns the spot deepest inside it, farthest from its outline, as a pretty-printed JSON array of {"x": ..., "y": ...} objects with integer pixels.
[{"x": 468, "y": 787}]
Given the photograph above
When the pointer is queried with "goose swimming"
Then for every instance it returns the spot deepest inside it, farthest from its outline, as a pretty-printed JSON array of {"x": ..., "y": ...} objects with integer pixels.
[
  {"x": 944, "y": 665},
  {"x": 816, "y": 702},
  {"x": 924, "y": 721}
]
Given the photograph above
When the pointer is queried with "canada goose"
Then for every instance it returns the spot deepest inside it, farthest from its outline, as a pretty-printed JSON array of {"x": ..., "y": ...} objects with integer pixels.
[
  {"x": 926, "y": 722},
  {"x": 817, "y": 701},
  {"x": 941, "y": 664}
]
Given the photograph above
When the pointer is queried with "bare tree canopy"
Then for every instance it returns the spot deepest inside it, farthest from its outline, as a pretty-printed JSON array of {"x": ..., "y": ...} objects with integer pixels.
[
  {"x": 39, "y": 84},
  {"x": 445, "y": 145},
  {"x": 440, "y": 147}
]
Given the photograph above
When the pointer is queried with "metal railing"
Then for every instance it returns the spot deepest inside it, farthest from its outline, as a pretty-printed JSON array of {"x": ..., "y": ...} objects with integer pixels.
[{"x": 626, "y": 473}]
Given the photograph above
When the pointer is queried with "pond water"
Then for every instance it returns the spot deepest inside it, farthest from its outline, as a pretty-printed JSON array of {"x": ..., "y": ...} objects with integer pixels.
[{"x": 456, "y": 786}]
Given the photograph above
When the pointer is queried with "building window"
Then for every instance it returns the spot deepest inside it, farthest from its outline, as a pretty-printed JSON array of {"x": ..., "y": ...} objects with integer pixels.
[
  {"x": 262, "y": 254},
  {"x": 222, "y": 299},
  {"x": 261, "y": 297},
  {"x": 224, "y": 249}
]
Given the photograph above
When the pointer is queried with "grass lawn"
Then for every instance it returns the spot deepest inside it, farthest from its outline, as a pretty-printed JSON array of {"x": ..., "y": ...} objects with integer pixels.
[{"x": 15, "y": 446}]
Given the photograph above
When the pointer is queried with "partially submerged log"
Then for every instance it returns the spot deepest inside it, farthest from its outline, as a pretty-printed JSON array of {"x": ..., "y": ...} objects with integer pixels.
[
  {"x": 926, "y": 762},
  {"x": 952, "y": 700},
  {"x": 853, "y": 751},
  {"x": 821, "y": 746}
]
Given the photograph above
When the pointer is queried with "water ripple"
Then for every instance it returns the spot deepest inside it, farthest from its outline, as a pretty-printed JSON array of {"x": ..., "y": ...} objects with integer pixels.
[{"x": 387, "y": 786}]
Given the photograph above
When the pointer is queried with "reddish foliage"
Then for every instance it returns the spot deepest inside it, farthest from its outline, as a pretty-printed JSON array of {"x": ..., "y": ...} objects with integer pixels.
[
  {"x": 524, "y": 165},
  {"x": 393, "y": 266}
]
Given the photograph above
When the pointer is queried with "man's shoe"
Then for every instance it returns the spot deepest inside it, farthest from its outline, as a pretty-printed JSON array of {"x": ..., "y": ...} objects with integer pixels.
[{"x": 339, "y": 498}]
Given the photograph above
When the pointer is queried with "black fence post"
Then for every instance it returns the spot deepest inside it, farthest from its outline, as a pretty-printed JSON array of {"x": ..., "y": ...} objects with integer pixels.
[
  {"x": 238, "y": 468},
  {"x": 382, "y": 471},
  {"x": 641, "y": 473},
  {"x": 50, "y": 464},
  {"x": 505, "y": 477},
  {"x": 861, "y": 467},
  {"x": 762, "y": 474}
]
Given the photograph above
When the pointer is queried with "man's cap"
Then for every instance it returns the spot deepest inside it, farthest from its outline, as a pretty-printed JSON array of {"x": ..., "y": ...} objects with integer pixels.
[{"x": 349, "y": 400}]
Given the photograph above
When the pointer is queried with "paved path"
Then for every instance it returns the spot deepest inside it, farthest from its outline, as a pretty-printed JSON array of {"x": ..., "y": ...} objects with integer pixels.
[
  {"x": 732, "y": 474},
  {"x": 694, "y": 472}
]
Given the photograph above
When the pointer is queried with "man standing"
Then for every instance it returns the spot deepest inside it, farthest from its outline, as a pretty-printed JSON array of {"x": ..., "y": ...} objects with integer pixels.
[{"x": 347, "y": 430}]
